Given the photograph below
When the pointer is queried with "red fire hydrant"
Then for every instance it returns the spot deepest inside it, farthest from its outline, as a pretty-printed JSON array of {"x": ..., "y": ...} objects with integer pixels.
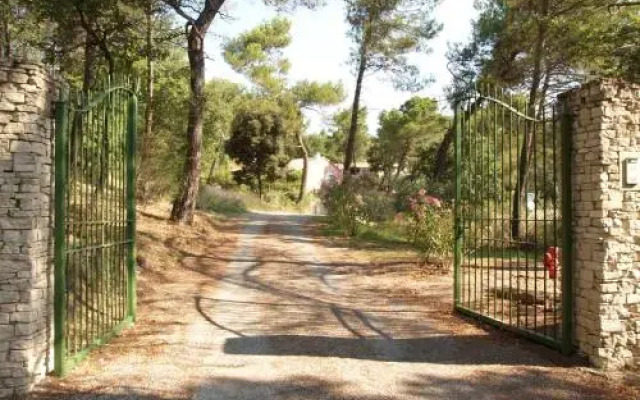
[{"x": 551, "y": 260}]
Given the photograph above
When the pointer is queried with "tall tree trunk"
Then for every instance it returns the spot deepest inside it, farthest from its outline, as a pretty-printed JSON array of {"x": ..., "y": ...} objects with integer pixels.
[
  {"x": 148, "y": 115},
  {"x": 111, "y": 65},
  {"x": 442, "y": 153},
  {"x": 100, "y": 39},
  {"x": 88, "y": 75},
  {"x": 5, "y": 35},
  {"x": 527, "y": 142},
  {"x": 349, "y": 156},
  {"x": 88, "y": 78},
  {"x": 305, "y": 168},
  {"x": 148, "y": 111},
  {"x": 185, "y": 203},
  {"x": 212, "y": 170},
  {"x": 545, "y": 89},
  {"x": 387, "y": 174},
  {"x": 260, "y": 187},
  {"x": 401, "y": 165},
  {"x": 104, "y": 159}
]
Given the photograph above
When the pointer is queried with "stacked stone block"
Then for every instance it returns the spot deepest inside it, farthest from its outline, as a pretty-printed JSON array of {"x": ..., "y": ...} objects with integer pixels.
[
  {"x": 606, "y": 225},
  {"x": 27, "y": 93}
]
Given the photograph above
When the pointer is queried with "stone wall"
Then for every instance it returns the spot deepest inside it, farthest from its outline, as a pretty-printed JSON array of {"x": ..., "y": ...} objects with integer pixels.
[
  {"x": 606, "y": 225},
  {"x": 27, "y": 93}
]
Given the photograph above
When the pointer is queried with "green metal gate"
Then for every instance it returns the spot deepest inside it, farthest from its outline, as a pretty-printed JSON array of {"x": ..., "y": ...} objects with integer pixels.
[
  {"x": 513, "y": 244},
  {"x": 94, "y": 295}
]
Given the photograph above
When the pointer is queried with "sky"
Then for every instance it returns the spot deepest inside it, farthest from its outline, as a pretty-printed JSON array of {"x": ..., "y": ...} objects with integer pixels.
[{"x": 320, "y": 48}]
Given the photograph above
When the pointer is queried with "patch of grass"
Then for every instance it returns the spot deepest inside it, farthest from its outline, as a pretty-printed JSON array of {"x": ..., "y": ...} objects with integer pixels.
[
  {"x": 507, "y": 253},
  {"x": 276, "y": 201},
  {"x": 220, "y": 201},
  {"x": 387, "y": 235},
  {"x": 238, "y": 200}
]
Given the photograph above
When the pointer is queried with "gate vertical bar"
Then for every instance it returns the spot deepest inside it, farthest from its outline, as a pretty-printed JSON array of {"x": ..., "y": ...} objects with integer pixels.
[
  {"x": 458, "y": 217},
  {"x": 567, "y": 219},
  {"x": 60, "y": 248},
  {"x": 132, "y": 113}
]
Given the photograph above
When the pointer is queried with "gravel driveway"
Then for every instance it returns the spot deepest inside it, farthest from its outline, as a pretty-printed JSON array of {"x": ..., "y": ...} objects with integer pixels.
[{"x": 291, "y": 315}]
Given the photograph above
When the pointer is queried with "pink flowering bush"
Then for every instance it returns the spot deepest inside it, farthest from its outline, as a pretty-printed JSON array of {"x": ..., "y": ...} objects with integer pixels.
[
  {"x": 357, "y": 202},
  {"x": 430, "y": 226},
  {"x": 344, "y": 206}
]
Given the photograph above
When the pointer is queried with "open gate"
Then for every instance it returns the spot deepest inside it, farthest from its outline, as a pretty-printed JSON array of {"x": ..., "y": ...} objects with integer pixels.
[
  {"x": 512, "y": 216},
  {"x": 94, "y": 295}
]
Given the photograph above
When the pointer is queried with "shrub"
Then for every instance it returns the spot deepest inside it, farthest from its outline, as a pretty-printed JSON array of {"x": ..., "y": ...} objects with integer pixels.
[
  {"x": 430, "y": 226},
  {"x": 344, "y": 206},
  {"x": 358, "y": 201},
  {"x": 215, "y": 199},
  {"x": 378, "y": 206}
]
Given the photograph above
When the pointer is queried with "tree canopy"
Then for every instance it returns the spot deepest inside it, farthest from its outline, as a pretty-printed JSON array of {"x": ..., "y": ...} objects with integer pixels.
[
  {"x": 383, "y": 33},
  {"x": 258, "y": 54},
  {"x": 258, "y": 143},
  {"x": 403, "y": 133}
]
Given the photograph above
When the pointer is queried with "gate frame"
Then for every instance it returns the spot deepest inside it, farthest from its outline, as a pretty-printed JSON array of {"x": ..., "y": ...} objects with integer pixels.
[
  {"x": 566, "y": 344},
  {"x": 62, "y": 364}
]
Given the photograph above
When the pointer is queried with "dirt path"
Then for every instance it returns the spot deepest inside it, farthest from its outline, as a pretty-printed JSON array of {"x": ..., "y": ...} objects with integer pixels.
[{"x": 288, "y": 315}]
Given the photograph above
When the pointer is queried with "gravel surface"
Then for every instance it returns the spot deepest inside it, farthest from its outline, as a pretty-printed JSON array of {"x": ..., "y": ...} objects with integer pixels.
[{"x": 286, "y": 314}]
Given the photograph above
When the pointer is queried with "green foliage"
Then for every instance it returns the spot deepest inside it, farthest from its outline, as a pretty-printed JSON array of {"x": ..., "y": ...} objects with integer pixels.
[
  {"x": 421, "y": 173},
  {"x": 357, "y": 202},
  {"x": 20, "y": 29},
  {"x": 333, "y": 144},
  {"x": 402, "y": 135},
  {"x": 113, "y": 36},
  {"x": 220, "y": 201},
  {"x": 312, "y": 94},
  {"x": 618, "y": 36},
  {"x": 239, "y": 199},
  {"x": 559, "y": 42},
  {"x": 257, "y": 53},
  {"x": 224, "y": 99},
  {"x": 344, "y": 206},
  {"x": 317, "y": 143},
  {"x": 384, "y": 32},
  {"x": 258, "y": 144},
  {"x": 358, "y": 208},
  {"x": 160, "y": 157},
  {"x": 430, "y": 227}
]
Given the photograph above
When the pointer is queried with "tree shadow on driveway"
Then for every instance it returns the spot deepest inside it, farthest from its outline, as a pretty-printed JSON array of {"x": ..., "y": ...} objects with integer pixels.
[
  {"x": 524, "y": 384},
  {"x": 440, "y": 349}
]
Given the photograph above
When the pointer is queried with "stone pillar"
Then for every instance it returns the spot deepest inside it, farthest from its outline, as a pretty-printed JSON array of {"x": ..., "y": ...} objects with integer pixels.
[
  {"x": 27, "y": 93},
  {"x": 606, "y": 225}
]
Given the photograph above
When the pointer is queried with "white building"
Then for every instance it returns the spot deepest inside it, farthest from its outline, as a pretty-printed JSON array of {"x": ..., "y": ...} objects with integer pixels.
[{"x": 320, "y": 170}]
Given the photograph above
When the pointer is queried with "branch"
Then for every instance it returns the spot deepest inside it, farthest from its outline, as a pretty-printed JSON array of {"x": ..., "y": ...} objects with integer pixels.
[
  {"x": 176, "y": 7},
  {"x": 211, "y": 8},
  {"x": 225, "y": 16},
  {"x": 85, "y": 23},
  {"x": 623, "y": 4},
  {"x": 309, "y": 107}
]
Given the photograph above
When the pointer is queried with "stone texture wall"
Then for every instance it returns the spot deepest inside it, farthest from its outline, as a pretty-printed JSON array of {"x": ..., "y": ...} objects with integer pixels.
[
  {"x": 606, "y": 225},
  {"x": 27, "y": 93}
]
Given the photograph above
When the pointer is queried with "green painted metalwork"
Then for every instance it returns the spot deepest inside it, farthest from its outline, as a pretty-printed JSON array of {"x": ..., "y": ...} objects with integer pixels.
[
  {"x": 457, "y": 216},
  {"x": 95, "y": 220},
  {"x": 567, "y": 212},
  {"x": 513, "y": 238},
  {"x": 131, "y": 207},
  {"x": 59, "y": 235}
]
